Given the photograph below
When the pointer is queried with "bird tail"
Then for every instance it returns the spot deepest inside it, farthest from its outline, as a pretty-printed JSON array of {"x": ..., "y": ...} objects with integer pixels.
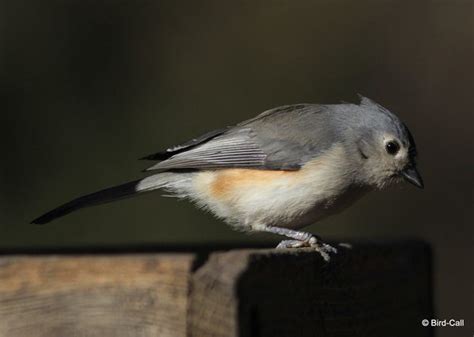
[{"x": 110, "y": 194}]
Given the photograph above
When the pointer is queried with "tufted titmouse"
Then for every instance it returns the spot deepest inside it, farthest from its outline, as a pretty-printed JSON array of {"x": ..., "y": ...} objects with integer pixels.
[{"x": 280, "y": 171}]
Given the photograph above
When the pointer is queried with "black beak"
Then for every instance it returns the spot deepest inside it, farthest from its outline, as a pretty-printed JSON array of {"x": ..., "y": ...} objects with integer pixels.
[{"x": 412, "y": 176}]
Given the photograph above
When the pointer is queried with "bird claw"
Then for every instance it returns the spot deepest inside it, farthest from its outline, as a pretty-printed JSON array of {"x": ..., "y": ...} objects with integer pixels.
[{"x": 322, "y": 248}]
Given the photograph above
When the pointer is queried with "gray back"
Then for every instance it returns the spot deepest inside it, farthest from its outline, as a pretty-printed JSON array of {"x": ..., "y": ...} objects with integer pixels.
[{"x": 283, "y": 138}]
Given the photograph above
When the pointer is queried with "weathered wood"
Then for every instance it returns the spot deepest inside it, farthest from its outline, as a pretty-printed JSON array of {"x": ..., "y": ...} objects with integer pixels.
[
  {"x": 366, "y": 291},
  {"x": 371, "y": 290},
  {"x": 121, "y": 296}
]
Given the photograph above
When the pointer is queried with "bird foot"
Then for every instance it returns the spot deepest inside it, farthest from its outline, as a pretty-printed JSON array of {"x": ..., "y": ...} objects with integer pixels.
[{"x": 322, "y": 248}]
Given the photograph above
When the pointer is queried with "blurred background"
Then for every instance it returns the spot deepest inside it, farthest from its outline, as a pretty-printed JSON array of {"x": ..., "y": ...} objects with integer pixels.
[{"x": 87, "y": 87}]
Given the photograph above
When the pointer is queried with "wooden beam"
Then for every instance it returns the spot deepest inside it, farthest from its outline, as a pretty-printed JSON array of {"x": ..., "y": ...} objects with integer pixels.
[
  {"x": 94, "y": 296},
  {"x": 370, "y": 290}
]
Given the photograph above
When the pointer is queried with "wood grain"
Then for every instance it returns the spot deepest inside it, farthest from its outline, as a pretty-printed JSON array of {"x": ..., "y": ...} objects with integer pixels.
[
  {"x": 136, "y": 295},
  {"x": 370, "y": 290}
]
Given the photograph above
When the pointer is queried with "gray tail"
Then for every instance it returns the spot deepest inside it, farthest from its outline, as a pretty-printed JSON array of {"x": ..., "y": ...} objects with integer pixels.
[{"x": 101, "y": 197}]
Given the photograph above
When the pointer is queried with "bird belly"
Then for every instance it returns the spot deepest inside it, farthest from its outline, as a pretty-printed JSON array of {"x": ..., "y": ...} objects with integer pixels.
[{"x": 292, "y": 199}]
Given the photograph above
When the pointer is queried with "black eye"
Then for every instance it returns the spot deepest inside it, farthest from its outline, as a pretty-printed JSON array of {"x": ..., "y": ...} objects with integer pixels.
[{"x": 392, "y": 147}]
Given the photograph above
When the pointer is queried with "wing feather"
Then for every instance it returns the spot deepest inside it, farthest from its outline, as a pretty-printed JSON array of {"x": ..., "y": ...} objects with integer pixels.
[
  {"x": 284, "y": 138},
  {"x": 234, "y": 149},
  {"x": 163, "y": 155}
]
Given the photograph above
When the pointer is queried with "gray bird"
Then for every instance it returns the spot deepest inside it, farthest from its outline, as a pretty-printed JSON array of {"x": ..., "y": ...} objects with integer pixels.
[{"x": 280, "y": 171}]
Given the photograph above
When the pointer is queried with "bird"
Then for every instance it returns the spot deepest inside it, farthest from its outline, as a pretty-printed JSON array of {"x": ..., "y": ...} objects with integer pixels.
[{"x": 278, "y": 172}]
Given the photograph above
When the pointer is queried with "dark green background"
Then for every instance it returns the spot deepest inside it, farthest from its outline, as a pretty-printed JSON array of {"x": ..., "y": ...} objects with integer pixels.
[{"x": 86, "y": 87}]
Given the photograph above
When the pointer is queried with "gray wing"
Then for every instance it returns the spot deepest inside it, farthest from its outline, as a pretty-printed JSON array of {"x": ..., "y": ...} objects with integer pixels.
[
  {"x": 162, "y": 155},
  {"x": 283, "y": 138},
  {"x": 233, "y": 149}
]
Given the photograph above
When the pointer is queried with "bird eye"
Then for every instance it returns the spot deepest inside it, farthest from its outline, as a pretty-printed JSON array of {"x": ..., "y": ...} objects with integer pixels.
[{"x": 392, "y": 147}]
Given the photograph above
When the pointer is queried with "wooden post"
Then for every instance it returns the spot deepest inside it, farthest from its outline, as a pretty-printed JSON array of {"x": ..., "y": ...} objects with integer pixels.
[{"x": 370, "y": 290}]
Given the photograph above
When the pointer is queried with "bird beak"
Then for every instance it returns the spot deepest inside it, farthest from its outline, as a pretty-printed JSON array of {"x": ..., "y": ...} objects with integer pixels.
[{"x": 411, "y": 175}]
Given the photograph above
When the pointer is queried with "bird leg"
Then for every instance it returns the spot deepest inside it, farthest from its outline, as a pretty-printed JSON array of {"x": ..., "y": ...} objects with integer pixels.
[{"x": 299, "y": 239}]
